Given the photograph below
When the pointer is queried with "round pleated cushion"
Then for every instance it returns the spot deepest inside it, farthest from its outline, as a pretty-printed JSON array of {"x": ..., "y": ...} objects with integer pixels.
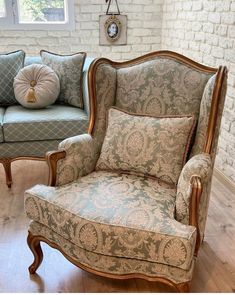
[{"x": 36, "y": 86}]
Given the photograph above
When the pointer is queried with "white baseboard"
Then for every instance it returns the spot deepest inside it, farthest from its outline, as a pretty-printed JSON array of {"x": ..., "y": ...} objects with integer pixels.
[{"x": 224, "y": 179}]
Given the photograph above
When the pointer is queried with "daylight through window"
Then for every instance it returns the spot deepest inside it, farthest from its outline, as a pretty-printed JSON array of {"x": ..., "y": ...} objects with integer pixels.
[{"x": 39, "y": 14}]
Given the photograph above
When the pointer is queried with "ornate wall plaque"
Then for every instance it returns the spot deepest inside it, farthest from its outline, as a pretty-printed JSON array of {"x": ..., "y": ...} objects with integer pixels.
[{"x": 113, "y": 27}]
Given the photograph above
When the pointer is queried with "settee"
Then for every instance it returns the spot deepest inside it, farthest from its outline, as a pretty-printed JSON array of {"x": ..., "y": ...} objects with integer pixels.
[{"x": 30, "y": 133}]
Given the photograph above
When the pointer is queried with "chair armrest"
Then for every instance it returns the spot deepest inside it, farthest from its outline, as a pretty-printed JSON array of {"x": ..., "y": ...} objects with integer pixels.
[
  {"x": 76, "y": 157},
  {"x": 193, "y": 192}
]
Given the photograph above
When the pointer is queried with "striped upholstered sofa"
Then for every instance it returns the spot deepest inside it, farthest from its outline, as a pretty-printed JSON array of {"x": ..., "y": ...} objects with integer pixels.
[{"x": 27, "y": 133}]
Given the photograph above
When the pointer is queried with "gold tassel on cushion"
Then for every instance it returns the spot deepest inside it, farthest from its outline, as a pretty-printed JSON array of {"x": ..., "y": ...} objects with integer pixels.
[{"x": 31, "y": 93}]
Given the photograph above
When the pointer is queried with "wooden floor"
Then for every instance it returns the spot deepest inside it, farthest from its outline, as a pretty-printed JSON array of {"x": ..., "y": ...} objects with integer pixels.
[{"x": 214, "y": 272}]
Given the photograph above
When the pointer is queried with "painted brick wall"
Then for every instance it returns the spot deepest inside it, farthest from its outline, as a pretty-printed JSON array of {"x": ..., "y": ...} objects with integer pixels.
[
  {"x": 201, "y": 29},
  {"x": 205, "y": 31},
  {"x": 144, "y": 32}
]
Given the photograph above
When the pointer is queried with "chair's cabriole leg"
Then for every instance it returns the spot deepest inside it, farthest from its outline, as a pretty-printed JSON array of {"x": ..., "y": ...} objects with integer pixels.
[
  {"x": 6, "y": 162},
  {"x": 183, "y": 287},
  {"x": 35, "y": 247}
]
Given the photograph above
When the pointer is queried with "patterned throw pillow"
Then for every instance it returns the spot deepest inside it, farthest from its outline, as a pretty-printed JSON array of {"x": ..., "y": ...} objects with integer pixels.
[
  {"x": 10, "y": 64},
  {"x": 69, "y": 69},
  {"x": 147, "y": 146}
]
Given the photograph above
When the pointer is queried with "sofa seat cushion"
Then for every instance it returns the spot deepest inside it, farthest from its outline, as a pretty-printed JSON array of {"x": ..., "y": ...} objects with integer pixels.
[
  {"x": 2, "y": 111},
  {"x": 54, "y": 122},
  {"x": 117, "y": 215}
]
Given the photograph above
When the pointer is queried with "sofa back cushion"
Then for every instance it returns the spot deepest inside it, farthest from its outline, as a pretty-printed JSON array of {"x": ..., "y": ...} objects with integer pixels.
[
  {"x": 146, "y": 145},
  {"x": 10, "y": 64},
  {"x": 69, "y": 69}
]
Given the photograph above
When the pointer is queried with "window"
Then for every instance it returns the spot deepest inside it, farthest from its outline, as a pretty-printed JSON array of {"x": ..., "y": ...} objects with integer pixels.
[
  {"x": 2, "y": 9},
  {"x": 37, "y": 14}
]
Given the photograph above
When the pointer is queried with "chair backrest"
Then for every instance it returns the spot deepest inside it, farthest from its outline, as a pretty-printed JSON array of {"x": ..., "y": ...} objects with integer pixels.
[{"x": 160, "y": 83}]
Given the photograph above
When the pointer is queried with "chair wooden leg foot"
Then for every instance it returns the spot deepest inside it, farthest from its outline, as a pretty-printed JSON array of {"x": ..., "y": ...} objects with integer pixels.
[
  {"x": 7, "y": 167},
  {"x": 183, "y": 287},
  {"x": 35, "y": 247}
]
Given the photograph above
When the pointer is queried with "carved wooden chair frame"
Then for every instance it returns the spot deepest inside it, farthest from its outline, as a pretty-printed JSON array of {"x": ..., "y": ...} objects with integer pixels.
[{"x": 196, "y": 184}]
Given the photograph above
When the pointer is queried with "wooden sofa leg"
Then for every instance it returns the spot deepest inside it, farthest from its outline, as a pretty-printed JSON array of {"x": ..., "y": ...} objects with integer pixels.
[
  {"x": 35, "y": 247},
  {"x": 183, "y": 287},
  {"x": 7, "y": 167}
]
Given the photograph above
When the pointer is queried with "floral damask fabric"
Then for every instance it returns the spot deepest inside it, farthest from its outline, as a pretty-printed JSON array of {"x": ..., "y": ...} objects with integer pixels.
[
  {"x": 205, "y": 108},
  {"x": 69, "y": 70},
  {"x": 160, "y": 86},
  {"x": 146, "y": 145},
  {"x": 205, "y": 198},
  {"x": 116, "y": 215},
  {"x": 112, "y": 264},
  {"x": 199, "y": 165},
  {"x": 81, "y": 157}
]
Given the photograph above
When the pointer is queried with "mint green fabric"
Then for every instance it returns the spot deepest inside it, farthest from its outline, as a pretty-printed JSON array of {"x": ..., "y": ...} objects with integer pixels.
[
  {"x": 53, "y": 122},
  {"x": 27, "y": 148},
  {"x": 69, "y": 69},
  {"x": 2, "y": 110},
  {"x": 10, "y": 64}
]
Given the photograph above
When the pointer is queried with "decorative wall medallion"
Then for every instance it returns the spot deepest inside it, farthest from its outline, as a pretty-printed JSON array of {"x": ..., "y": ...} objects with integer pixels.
[{"x": 113, "y": 27}]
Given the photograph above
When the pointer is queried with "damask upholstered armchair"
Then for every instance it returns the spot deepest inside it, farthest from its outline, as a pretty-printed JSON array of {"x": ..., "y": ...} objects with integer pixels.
[{"x": 120, "y": 224}]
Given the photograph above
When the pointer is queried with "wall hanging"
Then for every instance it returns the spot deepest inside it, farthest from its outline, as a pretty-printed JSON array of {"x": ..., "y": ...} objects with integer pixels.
[{"x": 113, "y": 27}]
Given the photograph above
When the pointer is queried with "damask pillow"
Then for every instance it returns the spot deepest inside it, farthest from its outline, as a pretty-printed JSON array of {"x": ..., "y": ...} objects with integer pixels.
[
  {"x": 69, "y": 69},
  {"x": 10, "y": 64},
  {"x": 147, "y": 146},
  {"x": 36, "y": 86}
]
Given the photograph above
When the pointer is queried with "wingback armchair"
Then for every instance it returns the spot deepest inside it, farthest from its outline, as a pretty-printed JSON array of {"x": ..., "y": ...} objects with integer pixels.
[{"x": 121, "y": 225}]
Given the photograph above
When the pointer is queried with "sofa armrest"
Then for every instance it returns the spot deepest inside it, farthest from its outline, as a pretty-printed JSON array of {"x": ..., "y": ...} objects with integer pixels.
[
  {"x": 193, "y": 192},
  {"x": 76, "y": 157}
]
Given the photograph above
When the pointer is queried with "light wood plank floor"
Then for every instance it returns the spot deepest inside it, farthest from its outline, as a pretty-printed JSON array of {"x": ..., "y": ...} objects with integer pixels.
[{"x": 214, "y": 272}]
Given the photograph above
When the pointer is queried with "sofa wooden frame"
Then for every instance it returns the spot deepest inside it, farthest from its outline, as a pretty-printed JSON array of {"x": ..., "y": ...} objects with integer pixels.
[{"x": 196, "y": 184}]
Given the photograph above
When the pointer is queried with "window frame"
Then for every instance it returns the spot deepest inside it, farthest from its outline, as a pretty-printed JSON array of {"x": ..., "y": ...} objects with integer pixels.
[{"x": 12, "y": 22}]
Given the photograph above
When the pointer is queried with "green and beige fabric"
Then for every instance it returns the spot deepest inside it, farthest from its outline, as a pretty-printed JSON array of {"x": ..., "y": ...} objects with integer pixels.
[
  {"x": 146, "y": 146},
  {"x": 10, "y": 64},
  {"x": 69, "y": 69},
  {"x": 31, "y": 133},
  {"x": 110, "y": 221}
]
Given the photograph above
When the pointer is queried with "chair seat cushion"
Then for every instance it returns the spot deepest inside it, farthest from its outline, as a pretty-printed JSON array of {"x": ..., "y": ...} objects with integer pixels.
[
  {"x": 2, "y": 111},
  {"x": 54, "y": 122},
  {"x": 116, "y": 215},
  {"x": 112, "y": 264}
]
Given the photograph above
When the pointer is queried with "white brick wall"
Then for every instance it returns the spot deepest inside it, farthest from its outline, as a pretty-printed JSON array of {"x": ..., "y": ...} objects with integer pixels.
[
  {"x": 201, "y": 29},
  {"x": 205, "y": 31},
  {"x": 144, "y": 22}
]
